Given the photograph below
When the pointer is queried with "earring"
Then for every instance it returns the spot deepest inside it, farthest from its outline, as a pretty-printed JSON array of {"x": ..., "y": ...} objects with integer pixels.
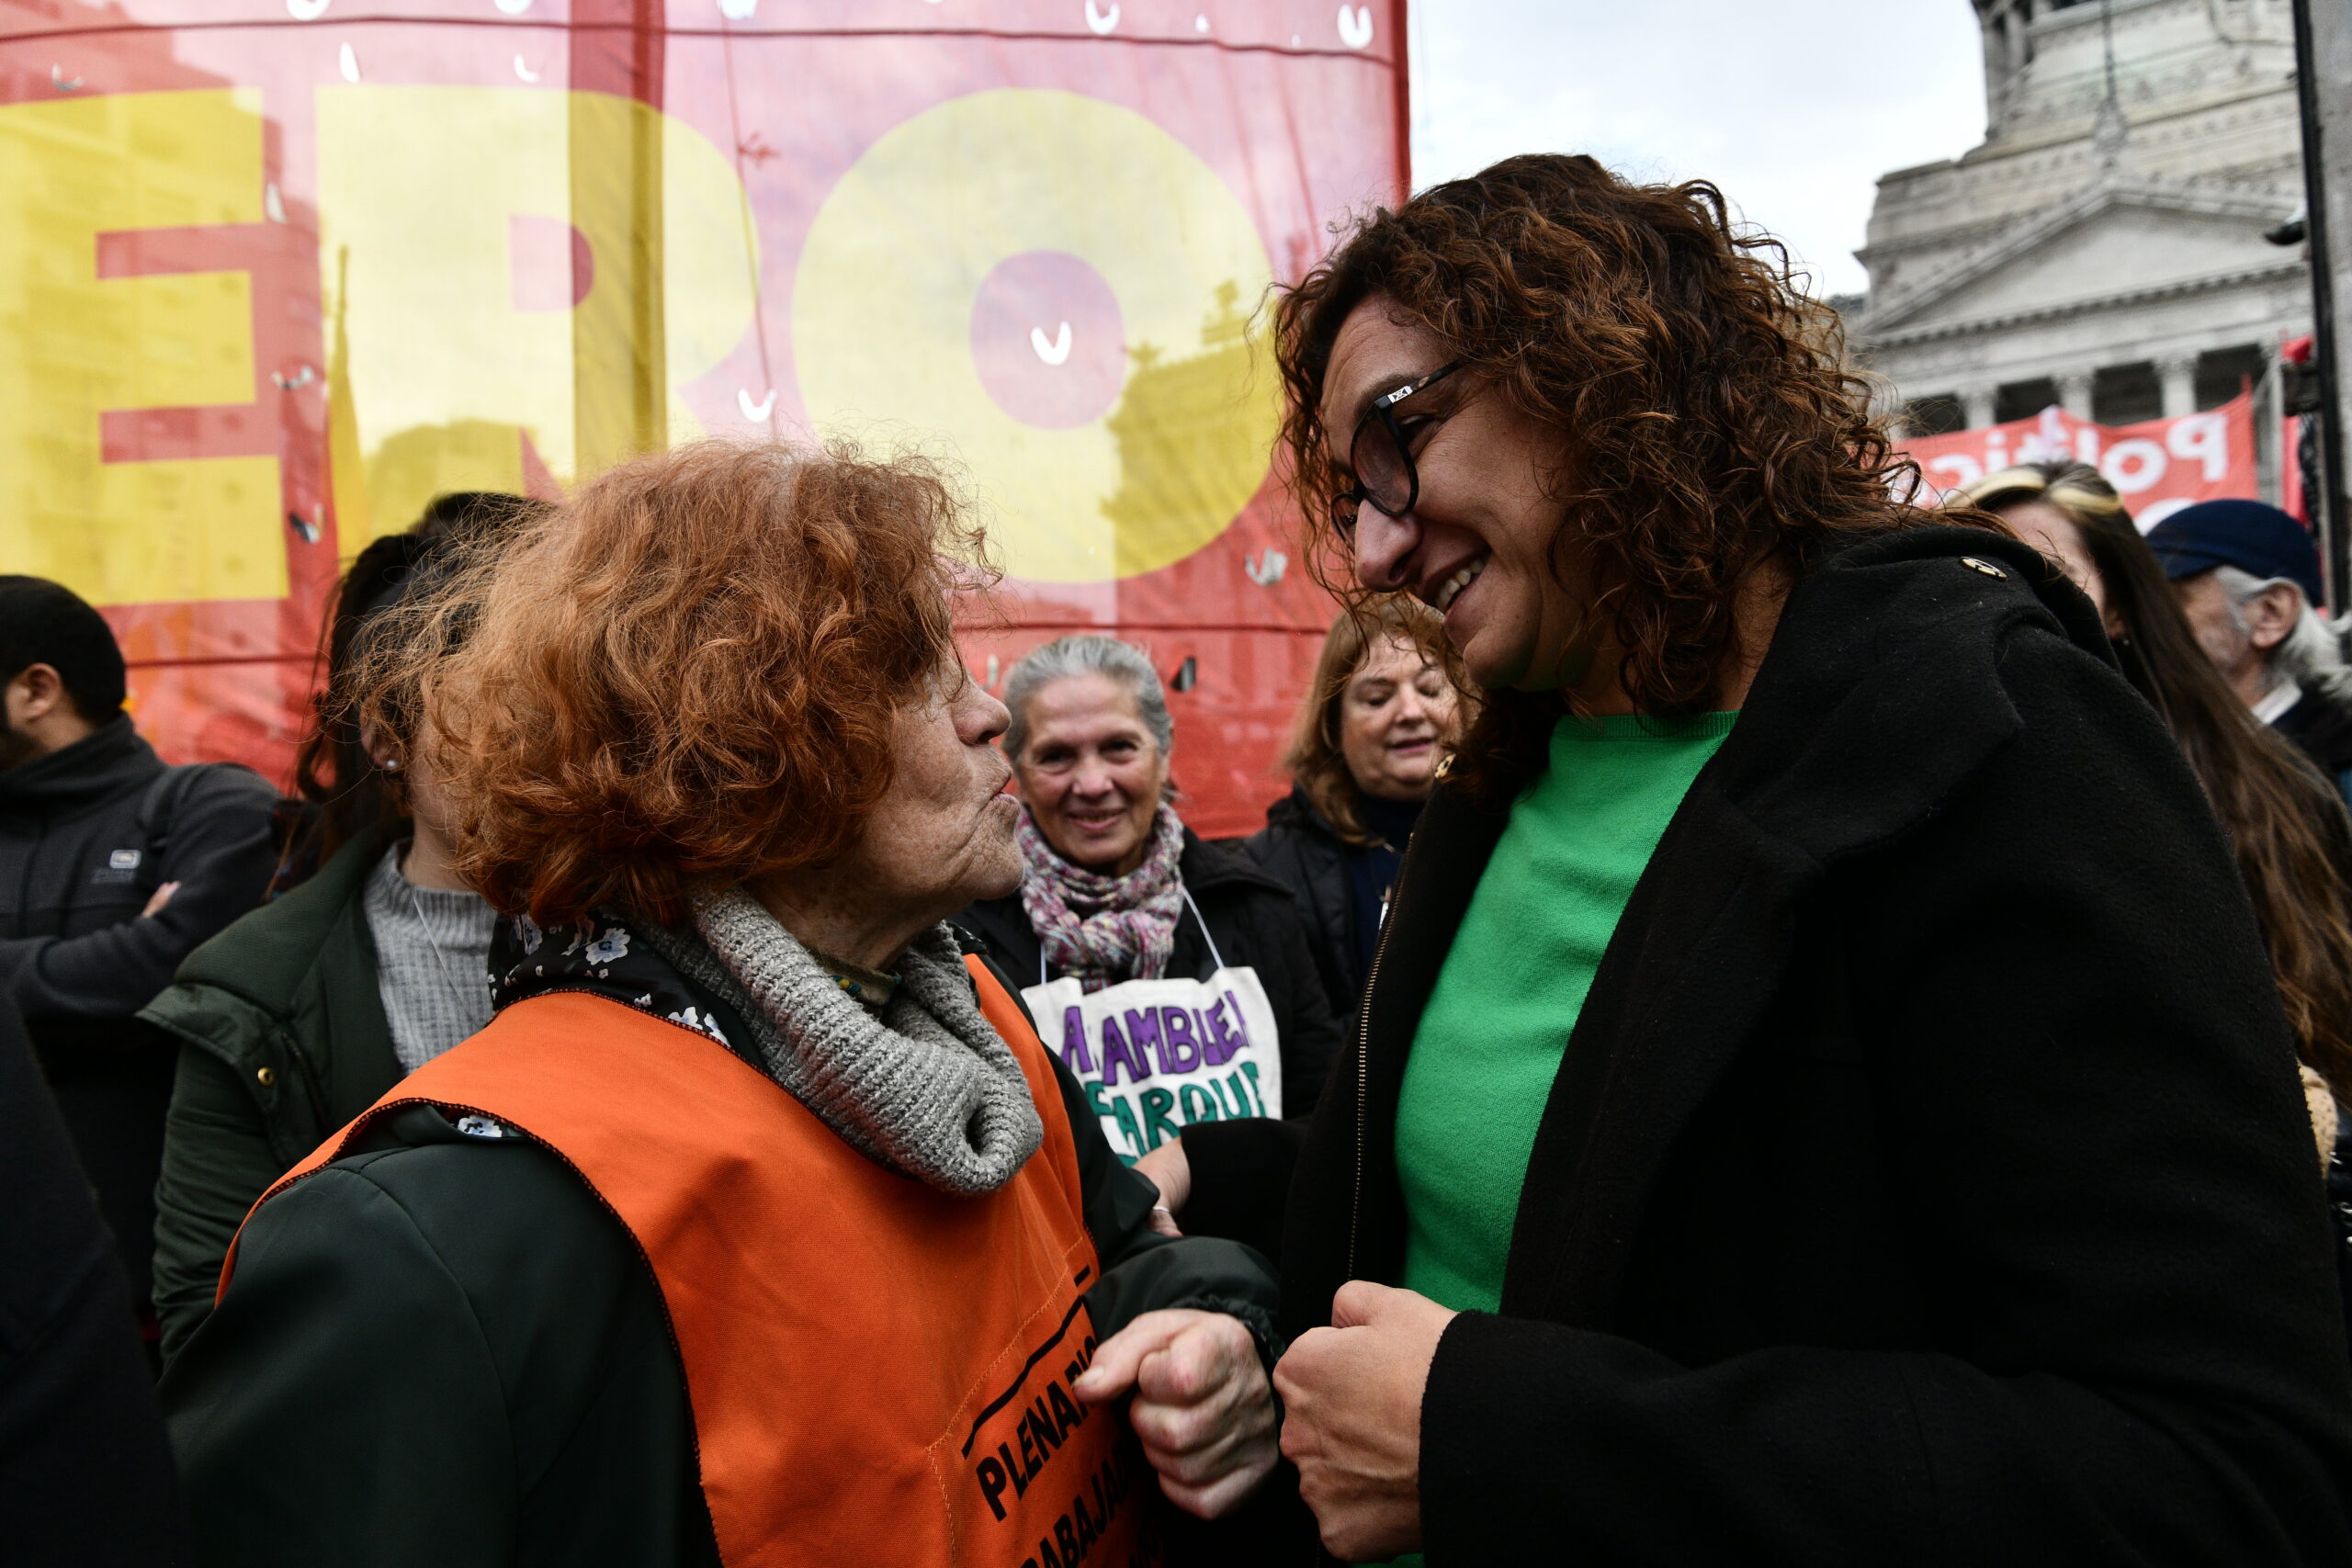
[{"x": 391, "y": 764}]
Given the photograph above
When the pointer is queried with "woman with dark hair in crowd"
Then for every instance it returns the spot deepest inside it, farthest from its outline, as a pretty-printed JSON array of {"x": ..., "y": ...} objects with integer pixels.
[
  {"x": 298, "y": 1017},
  {"x": 2285, "y": 825},
  {"x": 757, "y": 1227},
  {"x": 1363, "y": 754},
  {"x": 1175, "y": 977},
  {"x": 342, "y": 791},
  {"x": 1821, "y": 1095}
]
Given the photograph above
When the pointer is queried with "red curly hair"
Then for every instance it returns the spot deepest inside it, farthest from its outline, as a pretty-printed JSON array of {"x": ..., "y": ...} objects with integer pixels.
[
  {"x": 1710, "y": 420},
  {"x": 685, "y": 677}
]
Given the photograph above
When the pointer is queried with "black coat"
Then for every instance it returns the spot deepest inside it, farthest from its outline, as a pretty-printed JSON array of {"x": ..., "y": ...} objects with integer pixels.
[
  {"x": 1925, "y": 1179},
  {"x": 1299, "y": 847},
  {"x": 84, "y": 1475},
  {"x": 2320, "y": 724},
  {"x": 1256, "y": 922},
  {"x": 87, "y": 834}
]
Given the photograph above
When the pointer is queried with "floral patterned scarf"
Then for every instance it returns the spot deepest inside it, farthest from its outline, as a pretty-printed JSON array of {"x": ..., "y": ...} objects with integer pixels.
[{"x": 1104, "y": 930}]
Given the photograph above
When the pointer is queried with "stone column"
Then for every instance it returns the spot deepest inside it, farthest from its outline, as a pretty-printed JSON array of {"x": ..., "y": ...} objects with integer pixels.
[
  {"x": 2179, "y": 377},
  {"x": 1976, "y": 406},
  {"x": 2074, "y": 392}
]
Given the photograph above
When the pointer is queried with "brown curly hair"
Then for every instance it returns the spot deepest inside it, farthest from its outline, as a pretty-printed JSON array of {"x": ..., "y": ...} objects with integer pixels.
[
  {"x": 1710, "y": 420},
  {"x": 687, "y": 676}
]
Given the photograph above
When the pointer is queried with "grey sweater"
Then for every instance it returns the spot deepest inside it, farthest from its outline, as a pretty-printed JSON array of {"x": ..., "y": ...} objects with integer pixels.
[{"x": 431, "y": 960}]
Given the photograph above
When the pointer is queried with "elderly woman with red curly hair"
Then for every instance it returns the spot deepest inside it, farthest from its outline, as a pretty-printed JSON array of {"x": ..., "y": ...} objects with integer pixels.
[
  {"x": 1821, "y": 1097},
  {"x": 757, "y": 1227}
]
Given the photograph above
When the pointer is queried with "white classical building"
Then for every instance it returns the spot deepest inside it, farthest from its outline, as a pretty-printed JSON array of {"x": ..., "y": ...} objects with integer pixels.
[{"x": 2103, "y": 249}]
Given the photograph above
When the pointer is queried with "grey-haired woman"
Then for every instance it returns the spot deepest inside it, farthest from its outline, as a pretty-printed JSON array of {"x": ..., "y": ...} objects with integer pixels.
[{"x": 1157, "y": 963}]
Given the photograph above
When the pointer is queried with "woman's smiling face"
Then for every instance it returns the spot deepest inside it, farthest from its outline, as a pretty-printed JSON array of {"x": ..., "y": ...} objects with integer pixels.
[
  {"x": 1476, "y": 543},
  {"x": 1091, "y": 772}
]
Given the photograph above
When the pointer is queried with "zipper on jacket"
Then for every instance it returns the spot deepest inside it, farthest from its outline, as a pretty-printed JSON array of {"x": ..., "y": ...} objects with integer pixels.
[{"x": 1363, "y": 1067}]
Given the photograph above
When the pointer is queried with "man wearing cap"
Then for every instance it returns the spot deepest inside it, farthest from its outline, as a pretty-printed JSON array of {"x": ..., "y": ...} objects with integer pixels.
[{"x": 2248, "y": 577}]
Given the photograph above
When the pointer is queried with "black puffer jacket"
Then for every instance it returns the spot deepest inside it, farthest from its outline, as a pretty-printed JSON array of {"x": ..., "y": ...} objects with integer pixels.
[
  {"x": 1299, "y": 847},
  {"x": 1256, "y": 922}
]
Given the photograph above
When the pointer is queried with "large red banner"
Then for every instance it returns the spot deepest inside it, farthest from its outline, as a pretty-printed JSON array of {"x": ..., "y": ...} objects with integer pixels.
[
  {"x": 2158, "y": 468},
  {"x": 273, "y": 273}
]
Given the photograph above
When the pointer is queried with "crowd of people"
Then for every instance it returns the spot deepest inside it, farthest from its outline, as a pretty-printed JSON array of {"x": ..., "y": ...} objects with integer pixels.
[{"x": 1780, "y": 1021}]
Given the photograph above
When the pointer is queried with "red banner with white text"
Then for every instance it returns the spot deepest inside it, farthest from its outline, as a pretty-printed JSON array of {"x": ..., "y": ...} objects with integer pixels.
[
  {"x": 273, "y": 273},
  {"x": 2158, "y": 468}
]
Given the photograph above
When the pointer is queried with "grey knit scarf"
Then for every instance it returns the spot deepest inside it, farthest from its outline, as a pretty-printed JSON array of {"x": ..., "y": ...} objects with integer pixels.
[{"x": 927, "y": 1088}]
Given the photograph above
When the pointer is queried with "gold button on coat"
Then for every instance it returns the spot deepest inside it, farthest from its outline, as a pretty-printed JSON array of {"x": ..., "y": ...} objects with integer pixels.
[{"x": 268, "y": 1076}]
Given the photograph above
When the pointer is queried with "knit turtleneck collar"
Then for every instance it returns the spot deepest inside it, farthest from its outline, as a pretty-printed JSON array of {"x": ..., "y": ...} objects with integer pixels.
[
  {"x": 923, "y": 1085},
  {"x": 1389, "y": 820}
]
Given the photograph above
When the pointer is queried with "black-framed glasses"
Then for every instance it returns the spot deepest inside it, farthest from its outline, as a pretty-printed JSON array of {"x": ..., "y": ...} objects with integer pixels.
[{"x": 1380, "y": 456}]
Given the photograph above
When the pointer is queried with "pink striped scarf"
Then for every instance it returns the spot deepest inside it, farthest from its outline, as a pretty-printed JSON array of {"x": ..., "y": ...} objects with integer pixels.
[{"x": 1104, "y": 930}]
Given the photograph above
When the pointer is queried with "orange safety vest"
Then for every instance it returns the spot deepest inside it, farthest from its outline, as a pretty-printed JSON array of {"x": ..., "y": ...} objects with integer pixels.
[{"x": 879, "y": 1371}]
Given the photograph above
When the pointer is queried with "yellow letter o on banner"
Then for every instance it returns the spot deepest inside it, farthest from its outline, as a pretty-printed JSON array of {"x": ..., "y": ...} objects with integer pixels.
[{"x": 1060, "y": 193}]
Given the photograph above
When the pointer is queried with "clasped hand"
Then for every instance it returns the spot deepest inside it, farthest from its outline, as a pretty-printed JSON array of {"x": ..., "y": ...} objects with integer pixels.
[
  {"x": 1352, "y": 1422},
  {"x": 1203, "y": 1407}
]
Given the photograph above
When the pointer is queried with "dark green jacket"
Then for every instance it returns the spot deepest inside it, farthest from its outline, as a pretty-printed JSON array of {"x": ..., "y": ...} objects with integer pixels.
[
  {"x": 283, "y": 1040},
  {"x": 444, "y": 1350}
]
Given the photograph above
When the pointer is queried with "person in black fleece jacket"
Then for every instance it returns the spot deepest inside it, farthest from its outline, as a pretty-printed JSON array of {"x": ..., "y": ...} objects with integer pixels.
[{"x": 113, "y": 868}]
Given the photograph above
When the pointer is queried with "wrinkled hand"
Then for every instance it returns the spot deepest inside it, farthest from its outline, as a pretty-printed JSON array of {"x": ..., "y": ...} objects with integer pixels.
[
  {"x": 1171, "y": 1172},
  {"x": 1352, "y": 1397},
  {"x": 161, "y": 896},
  {"x": 1203, "y": 1407}
]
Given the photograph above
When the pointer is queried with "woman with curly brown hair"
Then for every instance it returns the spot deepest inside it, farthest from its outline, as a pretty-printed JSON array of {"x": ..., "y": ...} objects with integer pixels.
[
  {"x": 757, "y": 1227},
  {"x": 1821, "y": 1096}
]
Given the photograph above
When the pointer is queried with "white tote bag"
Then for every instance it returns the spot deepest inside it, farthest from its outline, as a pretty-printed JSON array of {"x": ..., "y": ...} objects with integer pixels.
[{"x": 1159, "y": 1055}]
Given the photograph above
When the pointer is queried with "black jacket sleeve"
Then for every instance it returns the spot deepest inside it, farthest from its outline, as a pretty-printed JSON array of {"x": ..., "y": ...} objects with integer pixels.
[
  {"x": 1241, "y": 1174},
  {"x": 1311, "y": 1035},
  {"x": 1143, "y": 1270},
  {"x": 222, "y": 850},
  {"x": 84, "y": 1474},
  {"x": 217, "y": 1164},
  {"x": 2094, "y": 1136}
]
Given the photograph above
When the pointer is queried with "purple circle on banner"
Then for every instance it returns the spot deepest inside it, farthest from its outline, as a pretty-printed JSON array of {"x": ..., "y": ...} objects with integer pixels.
[{"x": 1048, "y": 340}]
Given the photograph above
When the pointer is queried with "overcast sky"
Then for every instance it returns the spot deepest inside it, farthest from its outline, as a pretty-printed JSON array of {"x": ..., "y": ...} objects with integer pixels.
[{"x": 1793, "y": 106}]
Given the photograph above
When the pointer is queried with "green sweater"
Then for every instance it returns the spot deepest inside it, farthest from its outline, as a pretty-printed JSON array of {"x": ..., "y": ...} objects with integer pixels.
[{"x": 1498, "y": 1022}]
